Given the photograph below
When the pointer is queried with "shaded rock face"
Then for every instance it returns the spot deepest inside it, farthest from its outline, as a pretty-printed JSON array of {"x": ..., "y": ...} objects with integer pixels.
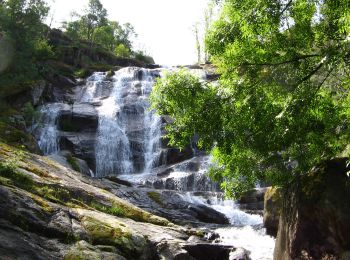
[
  {"x": 315, "y": 215},
  {"x": 272, "y": 210}
]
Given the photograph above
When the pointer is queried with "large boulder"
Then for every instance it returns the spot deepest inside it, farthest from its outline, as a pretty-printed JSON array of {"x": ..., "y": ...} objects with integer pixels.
[
  {"x": 81, "y": 145},
  {"x": 253, "y": 200},
  {"x": 208, "y": 215},
  {"x": 272, "y": 210},
  {"x": 315, "y": 215},
  {"x": 82, "y": 118}
]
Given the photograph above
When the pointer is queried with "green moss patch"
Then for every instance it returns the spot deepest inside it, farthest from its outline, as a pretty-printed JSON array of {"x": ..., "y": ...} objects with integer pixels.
[
  {"x": 73, "y": 162},
  {"x": 17, "y": 138},
  {"x": 101, "y": 233},
  {"x": 18, "y": 178},
  {"x": 112, "y": 210},
  {"x": 156, "y": 197}
]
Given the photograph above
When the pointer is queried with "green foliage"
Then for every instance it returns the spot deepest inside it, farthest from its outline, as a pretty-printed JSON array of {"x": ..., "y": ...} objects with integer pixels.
[
  {"x": 190, "y": 103},
  {"x": 83, "y": 73},
  {"x": 155, "y": 196},
  {"x": 141, "y": 56},
  {"x": 9, "y": 170},
  {"x": 22, "y": 31},
  {"x": 54, "y": 194},
  {"x": 113, "y": 210},
  {"x": 73, "y": 162},
  {"x": 94, "y": 27},
  {"x": 43, "y": 50},
  {"x": 122, "y": 51},
  {"x": 31, "y": 115},
  {"x": 282, "y": 104}
]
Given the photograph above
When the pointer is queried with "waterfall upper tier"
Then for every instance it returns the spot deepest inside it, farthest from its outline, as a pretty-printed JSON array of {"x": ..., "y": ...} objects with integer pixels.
[{"x": 110, "y": 126}]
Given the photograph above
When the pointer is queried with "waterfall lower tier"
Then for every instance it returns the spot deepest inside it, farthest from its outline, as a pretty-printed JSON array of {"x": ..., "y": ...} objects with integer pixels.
[{"x": 48, "y": 133}]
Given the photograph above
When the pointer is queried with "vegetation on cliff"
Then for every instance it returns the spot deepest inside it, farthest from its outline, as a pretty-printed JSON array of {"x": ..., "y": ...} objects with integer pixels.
[
  {"x": 282, "y": 103},
  {"x": 31, "y": 51}
]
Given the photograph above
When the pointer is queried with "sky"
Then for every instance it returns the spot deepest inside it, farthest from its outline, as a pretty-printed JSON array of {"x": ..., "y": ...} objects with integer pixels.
[{"x": 164, "y": 27}]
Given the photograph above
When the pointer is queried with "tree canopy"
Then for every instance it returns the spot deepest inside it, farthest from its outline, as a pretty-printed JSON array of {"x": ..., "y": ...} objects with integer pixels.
[
  {"x": 282, "y": 103},
  {"x": 94, "y": 27}
]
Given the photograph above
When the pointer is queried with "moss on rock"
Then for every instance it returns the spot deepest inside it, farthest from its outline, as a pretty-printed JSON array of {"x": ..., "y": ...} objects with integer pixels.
[
  {"x": 73, "y": 162},
  {"x": 17, "y": 138},
  {"x": 156, "y": 197}
]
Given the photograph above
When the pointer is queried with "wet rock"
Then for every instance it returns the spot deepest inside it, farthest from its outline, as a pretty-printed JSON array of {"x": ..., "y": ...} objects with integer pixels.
[
  {"x": 82, "y": 145},
  {"x": 172, "y": 250},
  {"x": 208, "y": 215},
  {"x": 83, "y": 250},
  {"x": 79, "y": 164},
  {"x": 59, "y": 89},
  {"x": 37, "y": 92},
  {"x": 239, "y": 254},
  {"x": 165, "y": 173},
  {"x": 119, "y": 181},
  {"x": 195, "y": 239},
  {"x": 82, "y": 117},
  {"x": 174, "y": 155},
  {"x": 17, "y": 244},
  {"x": 190, "y": 181},
  {"x": 209, "y": 251},
  {"x": 211, "y": 236}
]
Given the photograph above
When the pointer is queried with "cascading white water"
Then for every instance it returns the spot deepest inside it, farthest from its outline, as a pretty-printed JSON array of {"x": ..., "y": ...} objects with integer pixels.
[
  {"x": 245, "y": 231},
  {"x": 128, "y": 135},
  {"x": 93, "y": 87},
  {"x": 152, "y": 123},
  {"x": 113, "y": 148},
  {"x": 48, "y": 139}
]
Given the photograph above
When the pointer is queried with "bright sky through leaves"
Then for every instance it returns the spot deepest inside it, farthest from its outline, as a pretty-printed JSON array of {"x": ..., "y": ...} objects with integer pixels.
[{"x": 164, "y": 27}]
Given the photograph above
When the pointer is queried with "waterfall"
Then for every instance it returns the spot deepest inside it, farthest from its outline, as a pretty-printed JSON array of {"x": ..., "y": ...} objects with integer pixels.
[
  {"x": 94, "y": 87},
  {"x": 48, "y": 138},
  {"x": 126, "y": 141},
  {"x": 128, "y": 134}
]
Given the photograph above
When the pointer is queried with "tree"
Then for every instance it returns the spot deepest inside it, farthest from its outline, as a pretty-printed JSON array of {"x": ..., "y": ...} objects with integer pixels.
[
  {"x": 283, "y": 102},
  {"x": 104, "y": 36},
  {"x": 208, "y": 17},
  {"x": 22, "y": 30},
  {"x": 94, "y": 27},
  {"x": 198, "y": 45},
  {"x": 95, "y": 16}
]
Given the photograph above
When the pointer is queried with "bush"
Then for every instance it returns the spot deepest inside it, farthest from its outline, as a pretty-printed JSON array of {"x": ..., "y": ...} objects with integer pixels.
[{"x": 141, "y": 56}]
